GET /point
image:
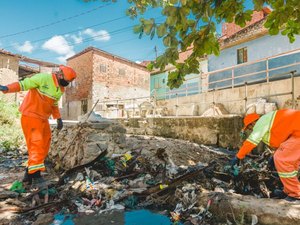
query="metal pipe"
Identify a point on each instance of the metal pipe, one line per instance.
(293, 88)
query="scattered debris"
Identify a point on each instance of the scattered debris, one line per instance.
(184, 178)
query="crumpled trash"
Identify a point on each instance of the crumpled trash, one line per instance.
(89, 183)
(17, 186)
(131, 202)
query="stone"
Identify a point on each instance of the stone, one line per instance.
(44, 219)
(8, 194)
(16, 202)
(95, 137)
(101, 125)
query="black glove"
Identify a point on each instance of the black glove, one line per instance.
(271, 164)
(3, 88)
(234, 161)
(59, 124)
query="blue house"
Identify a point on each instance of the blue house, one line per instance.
(192, 84)
(248, 55)
(251, 55)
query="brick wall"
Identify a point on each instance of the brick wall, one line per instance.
(81, 87)
(9, 68)
(92, 84)
(110, 85)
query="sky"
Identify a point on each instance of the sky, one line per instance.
(54, 30)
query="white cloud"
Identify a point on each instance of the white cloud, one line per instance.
(77, 39)
(26, 47)
(101, 35)
(63, 58)
(59, 45)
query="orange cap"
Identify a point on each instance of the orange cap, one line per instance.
(69, 73)
(250, 118)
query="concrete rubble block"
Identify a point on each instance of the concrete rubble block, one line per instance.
(44, 219)
(8, 194)
(216, 110)
(83, 142)
(95, 137)
(100, 126)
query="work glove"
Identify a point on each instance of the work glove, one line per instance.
(3, 88)
(271, 164)
(59, 124)
(235, 161)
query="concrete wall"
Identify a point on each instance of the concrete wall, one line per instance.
(221, 131)
(233, 99)
(260, 48)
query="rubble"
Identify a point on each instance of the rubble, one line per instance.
(194, 183)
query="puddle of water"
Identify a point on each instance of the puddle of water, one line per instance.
(146, 217)
(63, 219)
(136, 217)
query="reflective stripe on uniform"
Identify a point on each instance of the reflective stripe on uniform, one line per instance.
(288, 174)
(36, 167)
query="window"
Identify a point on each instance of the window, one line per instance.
(103, 68)
(242, 55)
(84, 106)
(122, 72)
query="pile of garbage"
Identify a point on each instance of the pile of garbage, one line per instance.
(143, 179)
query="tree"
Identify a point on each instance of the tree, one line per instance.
(192, 23)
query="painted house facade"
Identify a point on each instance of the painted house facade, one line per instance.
(107, 78)
(192, 85)
(251, 55)
(252, 65)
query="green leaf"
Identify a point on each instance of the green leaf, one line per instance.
(167, 41)
(173, 2)
(138, 29)
(274, 31)
(150, 66)
(161, 30)
(171, 20)
(183, 2)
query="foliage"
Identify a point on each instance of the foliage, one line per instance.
(192, 23)
(10, 130)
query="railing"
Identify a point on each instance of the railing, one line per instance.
(264, 70)
(269, 69)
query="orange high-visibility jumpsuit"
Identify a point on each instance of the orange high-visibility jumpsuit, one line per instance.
(38, 105)
(279, 129)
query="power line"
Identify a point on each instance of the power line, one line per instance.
(56, 22)
(73, 31)
(89, 38)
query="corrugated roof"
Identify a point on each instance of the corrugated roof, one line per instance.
(28, 60)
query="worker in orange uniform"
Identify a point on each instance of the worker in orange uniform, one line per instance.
(279, 129)
(41, 101)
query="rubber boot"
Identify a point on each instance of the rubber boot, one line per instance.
(38, 182)
(27, 180)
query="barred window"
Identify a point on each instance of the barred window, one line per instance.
(242, 55)
(103, 68)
